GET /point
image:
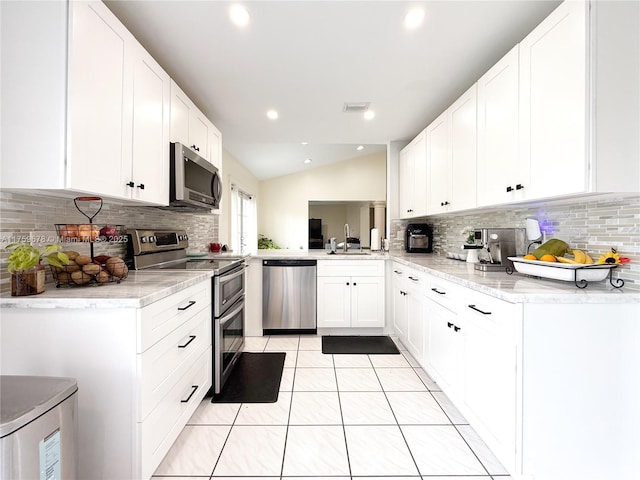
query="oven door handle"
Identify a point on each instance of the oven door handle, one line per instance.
(227, 318)
(227, 278)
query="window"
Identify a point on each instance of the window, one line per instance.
(244, 231)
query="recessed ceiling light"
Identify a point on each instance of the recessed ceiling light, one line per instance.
(360, 147)
(239, 15)
(272, 114)
(308, 160)
(369, 114)
(304, 143)
(414, 18)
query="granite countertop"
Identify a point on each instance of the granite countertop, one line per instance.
(517, 288)
(140, 288)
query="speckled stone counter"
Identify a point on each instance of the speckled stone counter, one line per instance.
(517, 288)
(318, 255)
(139, 289)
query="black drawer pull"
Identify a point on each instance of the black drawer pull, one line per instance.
(414, 279)
(519, 186)
(457, 329)
(354, 284)
(141, 186)
(130, 184)
(438, 291)
(449, 324)
(191, 339)
(473, 307)
(398, 272)
(195, 388)
(509, 189)
(191, 304)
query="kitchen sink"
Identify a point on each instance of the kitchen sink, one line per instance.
(355, 252)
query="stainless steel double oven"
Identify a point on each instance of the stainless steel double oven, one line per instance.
(166, 249)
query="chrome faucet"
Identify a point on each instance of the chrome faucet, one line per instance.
(346, 237)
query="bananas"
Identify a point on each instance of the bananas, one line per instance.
(579, 257)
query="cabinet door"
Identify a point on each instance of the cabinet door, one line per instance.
(498, 170)
(215, 147)
(367, 301)
(99, 102)
(399, 303)
(443, 347)
(334, 302)
(463, 150)
(553, 103)
(180, 109)
(416, 323)
(489, 366)
(405, 182)
(439, 164)
(149, 164)
(199, 133)
(420, 175)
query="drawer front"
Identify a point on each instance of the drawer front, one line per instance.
(163, 364)
(444, 293)
(351, 268)
(490, 310)
(159, 431)
(162, 317)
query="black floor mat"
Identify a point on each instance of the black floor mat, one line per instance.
(255, 379)
(358, 344)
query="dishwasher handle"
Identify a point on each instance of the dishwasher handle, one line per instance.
(289, 263)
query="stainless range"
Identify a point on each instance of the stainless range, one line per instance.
(150, 248)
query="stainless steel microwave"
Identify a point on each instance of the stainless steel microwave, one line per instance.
(195, 182)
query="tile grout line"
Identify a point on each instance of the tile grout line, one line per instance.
(344, 430)
(286, 434)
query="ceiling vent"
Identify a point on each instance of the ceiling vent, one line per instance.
(356, 107)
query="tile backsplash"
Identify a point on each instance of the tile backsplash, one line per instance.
(34, 215)
(594, 225)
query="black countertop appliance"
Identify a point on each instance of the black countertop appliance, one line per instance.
(418, 238)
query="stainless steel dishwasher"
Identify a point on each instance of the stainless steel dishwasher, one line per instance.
(288, 296)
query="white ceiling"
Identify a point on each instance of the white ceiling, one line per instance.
(307, 58)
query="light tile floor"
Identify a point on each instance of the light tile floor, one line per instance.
(337, 416)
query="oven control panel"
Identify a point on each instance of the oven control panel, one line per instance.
(154, 240)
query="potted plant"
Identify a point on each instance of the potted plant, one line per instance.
(26, 269)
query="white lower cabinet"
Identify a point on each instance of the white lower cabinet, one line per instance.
(416, 318)
(141, 373)
(399, 288)
(350, 293)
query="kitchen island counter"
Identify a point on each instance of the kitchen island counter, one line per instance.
(517, 288)
(139, 289)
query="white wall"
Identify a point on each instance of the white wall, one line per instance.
(284, 201)
(233, 172)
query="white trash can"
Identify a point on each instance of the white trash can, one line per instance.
(38, 428)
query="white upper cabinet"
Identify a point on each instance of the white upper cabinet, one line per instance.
(192, 128)
(99, 101)
(553, 115)
(451, 156)
(413, 178)
(500, 177)
(149, 165)
(106, 110)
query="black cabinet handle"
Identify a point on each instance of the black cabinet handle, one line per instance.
(186, 400)
(409, 210)
(519, 186)
(509, 189)
(473, 307)
(455, 328)
(191, 339)
(444, 204)
(191, 304)
(449, 324)
(414, 279)
(197, 149)
(398, 272)
(141, 186)
(130, 184)
(354, 284)
(438, 291)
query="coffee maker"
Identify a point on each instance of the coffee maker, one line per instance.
(418, 238)
(498, 244)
